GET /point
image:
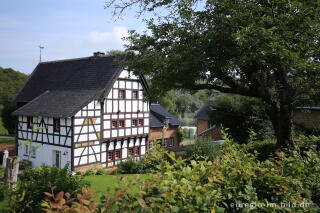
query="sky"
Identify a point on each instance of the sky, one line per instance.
(66, 29)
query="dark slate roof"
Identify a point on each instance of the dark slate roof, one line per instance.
(61, 88)
(158, 114)
(202, 112)
(57, 103)
(91, 73)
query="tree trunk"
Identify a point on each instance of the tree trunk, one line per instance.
(282, 122)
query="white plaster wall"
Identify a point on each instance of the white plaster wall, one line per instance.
(44, 155)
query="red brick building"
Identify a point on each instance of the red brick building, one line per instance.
(163, 127)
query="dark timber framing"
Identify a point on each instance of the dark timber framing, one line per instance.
(39, 133)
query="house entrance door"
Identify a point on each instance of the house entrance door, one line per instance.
(57, 158)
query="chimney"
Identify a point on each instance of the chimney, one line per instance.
(97, 54)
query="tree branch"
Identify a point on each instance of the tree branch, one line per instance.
(236, 90)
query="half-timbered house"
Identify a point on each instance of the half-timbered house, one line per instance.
(82, 112)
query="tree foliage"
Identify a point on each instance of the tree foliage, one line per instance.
(10, 83)
(184, 103)
(240, 114)
(267, 49)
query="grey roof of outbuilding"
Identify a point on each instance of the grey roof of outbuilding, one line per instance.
(309, 107)
(158, 114)
(57, 103)
(202, 113)
(61, 88)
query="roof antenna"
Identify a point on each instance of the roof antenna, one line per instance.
(40, 48)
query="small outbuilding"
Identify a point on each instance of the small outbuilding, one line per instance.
(164, 127)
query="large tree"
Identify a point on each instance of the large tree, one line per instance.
(267, 49)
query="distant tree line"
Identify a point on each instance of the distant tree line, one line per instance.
(10, 83)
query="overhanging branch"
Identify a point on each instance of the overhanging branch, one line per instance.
(237, 90)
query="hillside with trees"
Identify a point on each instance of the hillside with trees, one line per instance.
(10, 82)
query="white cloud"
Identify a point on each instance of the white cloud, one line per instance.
(108, 40)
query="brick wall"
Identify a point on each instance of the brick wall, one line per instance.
(202, 125)
(159, 133)
(307, 118)
(214, 134)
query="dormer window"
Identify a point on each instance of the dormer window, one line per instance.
(122, 94)
(135, 94)
(29, 122)
(56, 124)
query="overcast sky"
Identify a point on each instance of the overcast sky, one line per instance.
(66, 29)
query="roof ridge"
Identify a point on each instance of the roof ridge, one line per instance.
(72, 59)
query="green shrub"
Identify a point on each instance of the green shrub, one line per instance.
(34, 182)
(100, 172)
(264, 149)
(3, 191)
(23, 164)
(234, 178)
(150, 163)
(153, 158)
(203, 149)
(2, 171)
(89, 172)
(130, 166)
(180, 134)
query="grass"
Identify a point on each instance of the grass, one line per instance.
(4, 206)
(3, 130)
(189, 139)
(102, 183)
(7, 140)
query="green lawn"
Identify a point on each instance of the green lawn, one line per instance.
(100, 183)
(4, 206)
(7, 140)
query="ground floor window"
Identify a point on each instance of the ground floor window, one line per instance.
(151, 144)
(26, 149)
(130, 151)
(57, 158)
(110, 155)
(117, 154)
(165, 142)
(171, 142)
(114, 155)
(159, 141)
(137, 150)
(33, 151)
(134, 151)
